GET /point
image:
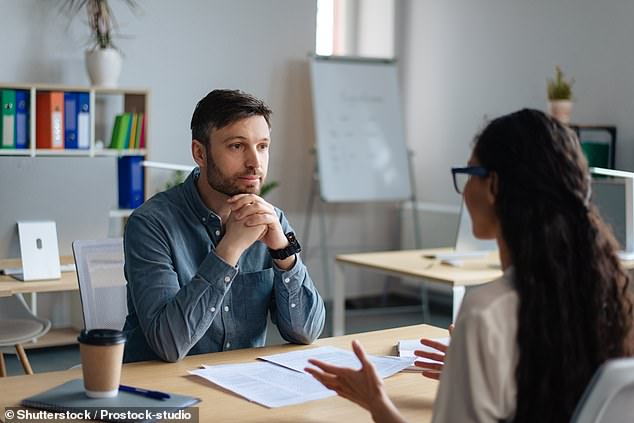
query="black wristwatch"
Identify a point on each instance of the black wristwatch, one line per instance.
(292, 248)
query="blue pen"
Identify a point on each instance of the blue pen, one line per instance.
(144, 392)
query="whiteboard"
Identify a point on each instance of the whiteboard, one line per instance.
(361, 150)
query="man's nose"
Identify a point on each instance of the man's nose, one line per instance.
(253, 160)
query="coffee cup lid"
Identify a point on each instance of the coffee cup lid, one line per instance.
(101, 337)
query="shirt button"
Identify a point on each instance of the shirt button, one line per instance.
(217, 232)
(228, 345)
(293, 305)
(227, 279)
(204, 219)
(226, 308)
(287, 280)
(212, 309)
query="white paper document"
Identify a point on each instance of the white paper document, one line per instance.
(298, 360)
(407, 347)
(265, 383)
(280, 380)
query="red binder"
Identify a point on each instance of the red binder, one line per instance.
(50, 120)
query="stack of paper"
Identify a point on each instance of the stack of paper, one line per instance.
(407, 347)
(280, 379)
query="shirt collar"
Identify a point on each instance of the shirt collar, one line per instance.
(193, 198)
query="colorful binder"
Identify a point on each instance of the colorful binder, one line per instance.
(7, 123)
(50, 120)
(131, 183)
(71, 111)
(22, 119)
(83, 121)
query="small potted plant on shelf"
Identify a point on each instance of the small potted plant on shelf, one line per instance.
(560, 96)
(103, 58)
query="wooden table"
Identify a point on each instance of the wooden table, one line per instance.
(413, 394)
(12, 286)
(412, 264)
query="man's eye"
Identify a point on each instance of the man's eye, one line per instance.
(263, 146)
(235, 146)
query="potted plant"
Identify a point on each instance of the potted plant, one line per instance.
(560, 96)
(103, 58)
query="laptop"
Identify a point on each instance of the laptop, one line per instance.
(38, 250)
(467, 246)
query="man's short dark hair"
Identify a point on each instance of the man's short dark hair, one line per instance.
(220, 108)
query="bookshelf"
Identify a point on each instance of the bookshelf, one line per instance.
(104, 104)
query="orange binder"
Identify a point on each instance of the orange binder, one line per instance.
(50, 120)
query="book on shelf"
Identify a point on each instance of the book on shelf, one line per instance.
(128, 131)
(7, 123)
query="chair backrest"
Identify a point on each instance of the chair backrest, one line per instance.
(102, 284)
(610, 395)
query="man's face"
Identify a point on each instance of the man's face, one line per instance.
(238, 156)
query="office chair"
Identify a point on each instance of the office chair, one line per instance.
(17, 326)
(102, 285)
(609, 396)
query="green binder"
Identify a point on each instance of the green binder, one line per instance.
(7, 121)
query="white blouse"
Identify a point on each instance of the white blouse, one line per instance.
(478, 381)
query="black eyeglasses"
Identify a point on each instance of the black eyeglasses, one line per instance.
(462, 174)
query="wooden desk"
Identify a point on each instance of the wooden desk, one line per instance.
(413, 394)
(413, 265)
(11, 286)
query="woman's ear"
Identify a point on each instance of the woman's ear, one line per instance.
(492, 189)
(199, 153)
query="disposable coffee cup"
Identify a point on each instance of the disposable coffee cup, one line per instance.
(101, 352)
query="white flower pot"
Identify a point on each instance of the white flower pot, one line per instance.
(103, 66)
(560, 110)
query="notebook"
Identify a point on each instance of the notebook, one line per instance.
(125, 407)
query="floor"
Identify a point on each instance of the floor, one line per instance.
(361, 316)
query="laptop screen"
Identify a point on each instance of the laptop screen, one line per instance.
(465, 241)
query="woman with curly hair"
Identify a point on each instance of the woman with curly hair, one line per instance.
(526, 345)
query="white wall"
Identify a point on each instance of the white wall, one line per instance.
(181, 51)
(463, 60)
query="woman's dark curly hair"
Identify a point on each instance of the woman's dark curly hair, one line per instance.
(575, 307)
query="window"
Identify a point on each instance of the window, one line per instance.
(362, 28)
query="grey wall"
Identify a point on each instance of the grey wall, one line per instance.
(463, 60)
(181, 51)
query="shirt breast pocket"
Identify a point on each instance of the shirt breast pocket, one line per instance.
(253, 292)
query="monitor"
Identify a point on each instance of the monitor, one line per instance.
(614, 197)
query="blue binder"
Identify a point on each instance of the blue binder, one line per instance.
(21, 119)
(131, 182)
(83, 120)
(70, 120)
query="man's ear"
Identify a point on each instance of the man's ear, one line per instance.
(492, 189)
(199, 153)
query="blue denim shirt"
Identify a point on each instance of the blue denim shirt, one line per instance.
(183, 299)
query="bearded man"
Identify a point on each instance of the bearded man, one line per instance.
(207, 261)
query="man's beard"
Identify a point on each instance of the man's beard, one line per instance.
(228, 184)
